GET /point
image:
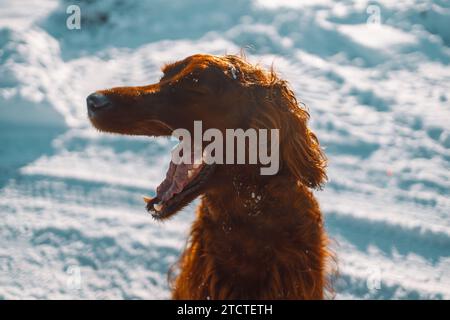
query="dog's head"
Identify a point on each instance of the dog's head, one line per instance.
(223, 93)
(200, 87)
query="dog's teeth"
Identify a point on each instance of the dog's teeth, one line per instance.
(190, 173)
(147, 199)
(157, 206)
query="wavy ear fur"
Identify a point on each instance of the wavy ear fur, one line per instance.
(277, 107)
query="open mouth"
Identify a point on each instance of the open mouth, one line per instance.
(181, 185)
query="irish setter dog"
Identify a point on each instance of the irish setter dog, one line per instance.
(255, 236)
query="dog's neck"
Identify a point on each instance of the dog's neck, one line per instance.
(248, 220)
(248, 197)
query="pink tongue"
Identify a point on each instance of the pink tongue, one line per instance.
(176, 179)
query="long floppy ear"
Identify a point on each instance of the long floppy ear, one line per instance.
(300, 151)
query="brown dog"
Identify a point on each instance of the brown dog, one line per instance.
(255, 236)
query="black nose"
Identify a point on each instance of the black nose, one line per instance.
(97, 101)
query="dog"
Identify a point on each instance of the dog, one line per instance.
(255, 236)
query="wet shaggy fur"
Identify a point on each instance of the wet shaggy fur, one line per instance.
(254, 236)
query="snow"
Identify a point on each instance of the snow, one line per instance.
(377, 36)
(73, 220)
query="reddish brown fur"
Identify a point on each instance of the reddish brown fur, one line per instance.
(239, 248)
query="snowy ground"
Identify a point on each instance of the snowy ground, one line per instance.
(72, 219)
